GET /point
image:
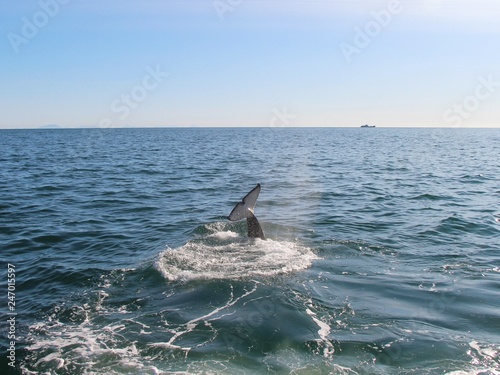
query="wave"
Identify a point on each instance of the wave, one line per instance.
(221, 253)
(431, 197)
(484, 360)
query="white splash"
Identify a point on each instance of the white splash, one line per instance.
(206, 319)
(227, 255)
(323, 332)
(484, 360)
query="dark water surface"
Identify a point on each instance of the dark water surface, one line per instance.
(383, 251)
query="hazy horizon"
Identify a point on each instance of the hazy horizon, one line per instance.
(230, 63)
(57, 127)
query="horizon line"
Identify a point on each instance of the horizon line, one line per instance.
(57, 127)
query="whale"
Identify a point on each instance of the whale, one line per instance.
(245, 210)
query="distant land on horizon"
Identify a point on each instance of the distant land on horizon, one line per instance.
(50, 126)
(56, 126)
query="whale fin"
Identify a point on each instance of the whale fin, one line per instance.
(245, 210)
(254, 228)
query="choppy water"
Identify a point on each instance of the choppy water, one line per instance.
(382, 256)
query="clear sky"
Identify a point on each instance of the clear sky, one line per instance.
(114, 63)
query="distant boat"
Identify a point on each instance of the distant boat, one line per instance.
(367, 126)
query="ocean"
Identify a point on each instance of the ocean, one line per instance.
(382, 253)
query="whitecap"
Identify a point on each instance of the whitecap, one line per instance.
(227, 255)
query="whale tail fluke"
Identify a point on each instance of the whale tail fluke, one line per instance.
(245, 210)
(254, 228)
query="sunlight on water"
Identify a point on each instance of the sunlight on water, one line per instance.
(381, 258)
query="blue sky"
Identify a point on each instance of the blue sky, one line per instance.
(250, 63)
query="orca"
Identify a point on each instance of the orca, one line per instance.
(245, 210)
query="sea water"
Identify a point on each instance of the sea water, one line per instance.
(382, 257)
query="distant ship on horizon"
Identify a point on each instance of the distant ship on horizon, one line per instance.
(367, 126)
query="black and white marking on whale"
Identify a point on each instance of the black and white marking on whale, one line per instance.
(245, 210)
